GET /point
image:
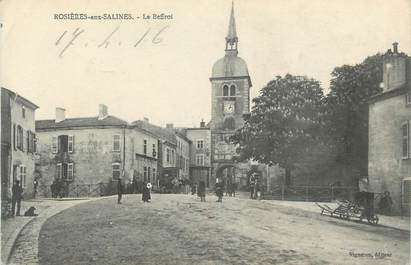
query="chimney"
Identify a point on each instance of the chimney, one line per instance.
(202, 124)
(102, 111)
(60, 114)
(169, 126)
(395, 47)
(146, 120)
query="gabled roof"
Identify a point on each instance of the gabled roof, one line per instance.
(109, 121)
(21, 99)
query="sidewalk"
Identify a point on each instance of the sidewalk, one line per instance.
(11, 228)
(399, 222)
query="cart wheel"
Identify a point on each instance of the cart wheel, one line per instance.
(373, 220)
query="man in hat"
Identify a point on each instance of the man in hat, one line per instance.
(17, 192)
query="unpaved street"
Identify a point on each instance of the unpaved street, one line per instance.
(179, 229)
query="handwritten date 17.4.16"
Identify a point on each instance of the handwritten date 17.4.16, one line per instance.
(66, 39)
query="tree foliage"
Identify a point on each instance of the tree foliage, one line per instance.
(347, 110)
(284, 122)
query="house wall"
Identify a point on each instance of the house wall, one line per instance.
(200, 173)
(22, 157)
(183, 157)
(386, 167)
(137, 160)
(93, 155)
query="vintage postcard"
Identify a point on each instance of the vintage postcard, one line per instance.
(205, 132)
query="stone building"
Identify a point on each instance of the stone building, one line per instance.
(173, 147)
(18, 143)
(200, 153)
(389, 162)
(89, 154)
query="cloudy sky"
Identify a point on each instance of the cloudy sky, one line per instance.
(168, 80)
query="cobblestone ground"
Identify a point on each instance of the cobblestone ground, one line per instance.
(25, 251)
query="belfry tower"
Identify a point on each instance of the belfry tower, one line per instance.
(230, 100)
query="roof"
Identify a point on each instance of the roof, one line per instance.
(160, 132)
(230, 66)
(23, 100)
(110, 121)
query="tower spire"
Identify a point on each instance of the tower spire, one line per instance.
(231, 39)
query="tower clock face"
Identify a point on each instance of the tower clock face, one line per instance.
(229, 107)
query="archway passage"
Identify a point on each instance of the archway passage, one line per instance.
(227, 174)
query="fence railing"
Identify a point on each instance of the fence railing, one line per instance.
(83, 190)
(310, 193)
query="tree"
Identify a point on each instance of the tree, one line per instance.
(347, 111)
(284, 123)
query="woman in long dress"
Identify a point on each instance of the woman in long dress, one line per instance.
(146, 192)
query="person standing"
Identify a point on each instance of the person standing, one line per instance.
(219, 189)
(17, 194)
(119, 191)
(146, 196)
(201, 191)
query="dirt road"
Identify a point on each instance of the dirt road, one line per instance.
(179, 229)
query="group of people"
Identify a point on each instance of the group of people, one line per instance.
(146, 191)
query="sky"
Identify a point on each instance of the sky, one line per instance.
(160, 69)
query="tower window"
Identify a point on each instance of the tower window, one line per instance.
(229, 123)
(225, 91)
(232, 90)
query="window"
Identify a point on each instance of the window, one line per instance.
(173, 158)
(200, 144)
(154, 175)
(54, 145)
(62, 144)
(23, 112)
(232, 90)
(408, 99)
(116, 143)
(23, 171)
(145, 147)
(70, 143)
(154, 150)
(70, 171)
(405, 140)
(116, 170)
(145, 174)
(168, 155)
(200, 160)
(225, 91)
(149, 174)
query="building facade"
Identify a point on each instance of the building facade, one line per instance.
(389, 164)
(200, 154)
(89, 154)
(18, 143)
(174, 152)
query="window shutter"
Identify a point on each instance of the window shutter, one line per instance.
(14, 137)
(54, 145)
(70, 143)
(405, 140)
(28, 141)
